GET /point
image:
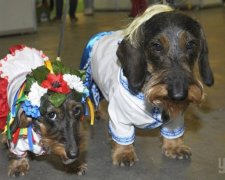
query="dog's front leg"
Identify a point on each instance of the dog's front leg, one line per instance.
(175, 148)
(81, 169)
(123, 155)
(18, 167)
(78, 167)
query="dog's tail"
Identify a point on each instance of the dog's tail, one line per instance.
(131, 31)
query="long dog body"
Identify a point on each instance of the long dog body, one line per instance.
(41, 127)
(146, 73)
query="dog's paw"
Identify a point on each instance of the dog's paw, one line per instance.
(175, 149)
(77, 167)
(179, 152)
(82, 169)
(124, 155)
(124, 159)
(18, 167)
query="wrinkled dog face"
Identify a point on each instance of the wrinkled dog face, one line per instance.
(162, 65)
(60, 127)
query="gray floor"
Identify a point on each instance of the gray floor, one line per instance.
(205, 125)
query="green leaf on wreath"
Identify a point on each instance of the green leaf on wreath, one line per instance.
(40, 74)
(57, 99)
(58, 68)
(29, 82)
(82, 74)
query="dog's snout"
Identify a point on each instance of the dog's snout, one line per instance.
(72, 154)
(178, 90)
(180, 96)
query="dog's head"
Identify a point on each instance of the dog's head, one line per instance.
(158, 57)
(60, 126)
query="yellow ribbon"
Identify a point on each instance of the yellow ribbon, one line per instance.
(92, 111)
(48, 64)
(23, 131)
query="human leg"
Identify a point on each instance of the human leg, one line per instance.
(59, 7)
(72, 9)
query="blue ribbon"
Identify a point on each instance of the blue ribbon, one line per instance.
(14, 107)
(85, 64)
(29, 137)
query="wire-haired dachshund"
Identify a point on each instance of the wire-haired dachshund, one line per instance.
(146, 73)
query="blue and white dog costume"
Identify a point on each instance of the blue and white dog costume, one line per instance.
(126, 110)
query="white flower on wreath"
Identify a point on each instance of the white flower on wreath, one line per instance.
(35, 94)
(74, 82)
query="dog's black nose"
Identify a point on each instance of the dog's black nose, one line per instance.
(178, 96)
(72, 154)
(178, 91)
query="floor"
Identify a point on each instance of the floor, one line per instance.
(205, 125)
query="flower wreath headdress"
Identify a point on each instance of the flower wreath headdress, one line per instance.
(55, 80)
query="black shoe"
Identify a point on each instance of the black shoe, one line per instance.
(73, 18)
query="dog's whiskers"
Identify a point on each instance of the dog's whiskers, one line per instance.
(55, 147)
(157, 94)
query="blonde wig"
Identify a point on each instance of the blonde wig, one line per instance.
(131, 32)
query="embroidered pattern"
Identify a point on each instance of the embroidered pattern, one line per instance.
(122, 140)
(95, 93)
(172, 133)
(124, 82)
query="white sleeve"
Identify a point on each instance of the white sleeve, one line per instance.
(120, 126)
(174, 128)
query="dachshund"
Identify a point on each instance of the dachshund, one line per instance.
(146, 73)
(46, 105)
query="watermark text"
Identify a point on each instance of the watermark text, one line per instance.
(221, 165)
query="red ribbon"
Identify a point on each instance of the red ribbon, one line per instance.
(16, 136)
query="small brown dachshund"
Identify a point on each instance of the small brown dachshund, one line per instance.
(47, 103)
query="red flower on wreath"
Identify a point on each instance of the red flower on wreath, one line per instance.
(56, 83)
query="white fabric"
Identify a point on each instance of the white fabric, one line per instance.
(22, 146)
(126, 110)
(16, 66)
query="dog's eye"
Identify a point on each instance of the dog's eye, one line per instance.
(77, 110)
(52, 115)
(190, 45)
(157, 46)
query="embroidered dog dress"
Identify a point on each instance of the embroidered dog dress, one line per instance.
(126, 110)
(14, 68)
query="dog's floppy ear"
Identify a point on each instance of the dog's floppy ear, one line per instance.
(204, 67)
(133, 63)
(21, 120)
